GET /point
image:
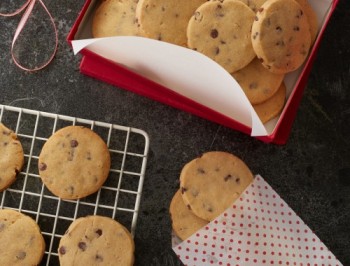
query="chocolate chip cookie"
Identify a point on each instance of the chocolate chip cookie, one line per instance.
(115, 18)
(273, 106)
(184, 221)
(221, 30)
(96, 240)
(166, 20)
(74, 162)
(281, 35)
(21, 242)
(210, 183)
(11, 157)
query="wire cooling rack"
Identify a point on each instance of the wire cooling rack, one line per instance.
(119, 197)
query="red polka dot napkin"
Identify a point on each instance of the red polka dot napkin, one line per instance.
(259, 229)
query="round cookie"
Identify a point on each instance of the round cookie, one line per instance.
(273, 106)
(184, 222)
(166, 20)
(74, 162)
(281, 35)
(21, 242)
(221, 30)
(96, 240)
(258, 83)
(115, 18)
(11, 157)
(212, 182)
(312, 18)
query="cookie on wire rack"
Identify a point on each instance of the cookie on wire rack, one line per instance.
(11, 157)
(21, 241)
(96, 240)
(74, 162)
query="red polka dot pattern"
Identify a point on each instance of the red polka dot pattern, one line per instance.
(259, 229)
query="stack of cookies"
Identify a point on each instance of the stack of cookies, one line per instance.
(257, 41)
(208, 186)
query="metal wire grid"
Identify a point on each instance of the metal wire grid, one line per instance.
(118, 198)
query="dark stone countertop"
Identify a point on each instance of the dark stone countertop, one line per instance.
(311, 172)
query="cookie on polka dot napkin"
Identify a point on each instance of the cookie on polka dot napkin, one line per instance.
(257, 229)
(184, 221)
(210, 183)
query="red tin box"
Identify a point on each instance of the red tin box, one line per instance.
(146, 79)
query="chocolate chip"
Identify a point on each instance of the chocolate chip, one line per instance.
(42, 166)
(189, 206)
(255, 35)
(256, 18)
(214, 33)
(226, 178)
(183, 190)
(201, 171)
(280, 43)
(70, 190)
(194, 192)
(198, 16)
(82, 246)
(98, 258)
(62, 250)
(74, 143)
(208, 207)
(71, 155)
(2, 226)
(21, 255)
(7, 133)
(261, 9)
(88, 156)
(253, 85)
(296, 28)
(238, 180)
(217, 50)
(5, 143)
(98, 232)
(278, 29)
(268, 22)
(299, 14)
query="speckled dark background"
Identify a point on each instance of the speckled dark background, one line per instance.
(311, 172)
